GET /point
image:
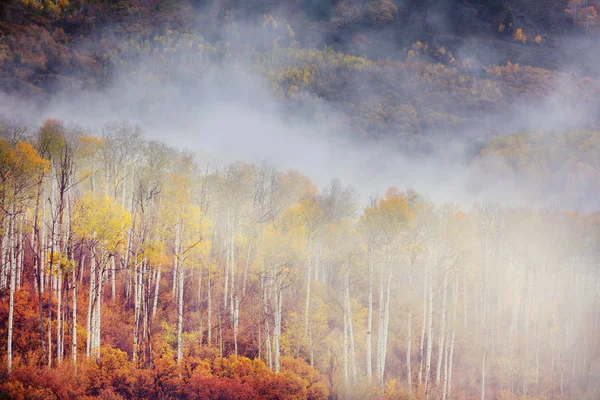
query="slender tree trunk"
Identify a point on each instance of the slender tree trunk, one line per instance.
(465, 297)
(59, 330)
(227, 261)
(277, 329)
(91, 300)
(381, 323)
(113, 278)
(43, 247)
(126, 266)
(442, 338)
(98, 313)
(423, 324)
(3, 251)
(137, 297)
(175, 272)
(308, 279)
(429, 337)
(267, 328)
(156, 289)
(74, 318)
(180, 285)
(370, 315)
(18, 248)
(235, 325)
(209, 309)
(37, 245)
(409, 326)
(445, 390)
(483, 374)
(232, 295)
(345, 309)
(453, 335)
(312, 352)
(50, 288)
(350, 328)
(12, 284)
(386, 325)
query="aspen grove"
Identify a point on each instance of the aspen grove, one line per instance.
(130, 270)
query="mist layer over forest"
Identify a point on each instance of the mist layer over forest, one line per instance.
(303, 199)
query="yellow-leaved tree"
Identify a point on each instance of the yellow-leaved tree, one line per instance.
(384, 224)
(20, 169)
(189, 228)
(101, 224)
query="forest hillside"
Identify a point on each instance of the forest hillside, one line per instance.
(304, 199)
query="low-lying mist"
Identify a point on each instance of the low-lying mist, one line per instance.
(358, 288)
(226, 111)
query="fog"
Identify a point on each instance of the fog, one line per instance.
(525, 279)
(228, 112)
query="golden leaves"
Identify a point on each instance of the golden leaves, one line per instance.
(101, 221)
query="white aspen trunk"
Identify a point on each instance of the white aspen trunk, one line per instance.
(39, 267)
(429, 338)
(129, 232)
(409, 327)
(12, 284)
(267, 329)
(350, 328)
(3, 254)
(88, 344)
(308, 279)
(381, 323)
(220, 334)
(483, 374)
(126, 265)
(50, 294)
(74, 321)
(465, 297)
(201, 325)
(18, 248)
(136, 309)
(386, 325)
(226, 280)
(175, 270)
(277, 330)
(50, 274)
(59, 330)
(98, 314)
(235, 325)
(141, 303)
(209, 309)
(370, 315)
(232, 295)
(423, 324)
(345, 343)
(156, 289)
(442, 328)
(312, 352)
(484, 318)
(180, 284)
(453, 335)
(81, 270)
(537, 364)
(445, 391)
(145, 308)
(113, 278)
(43, 244)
